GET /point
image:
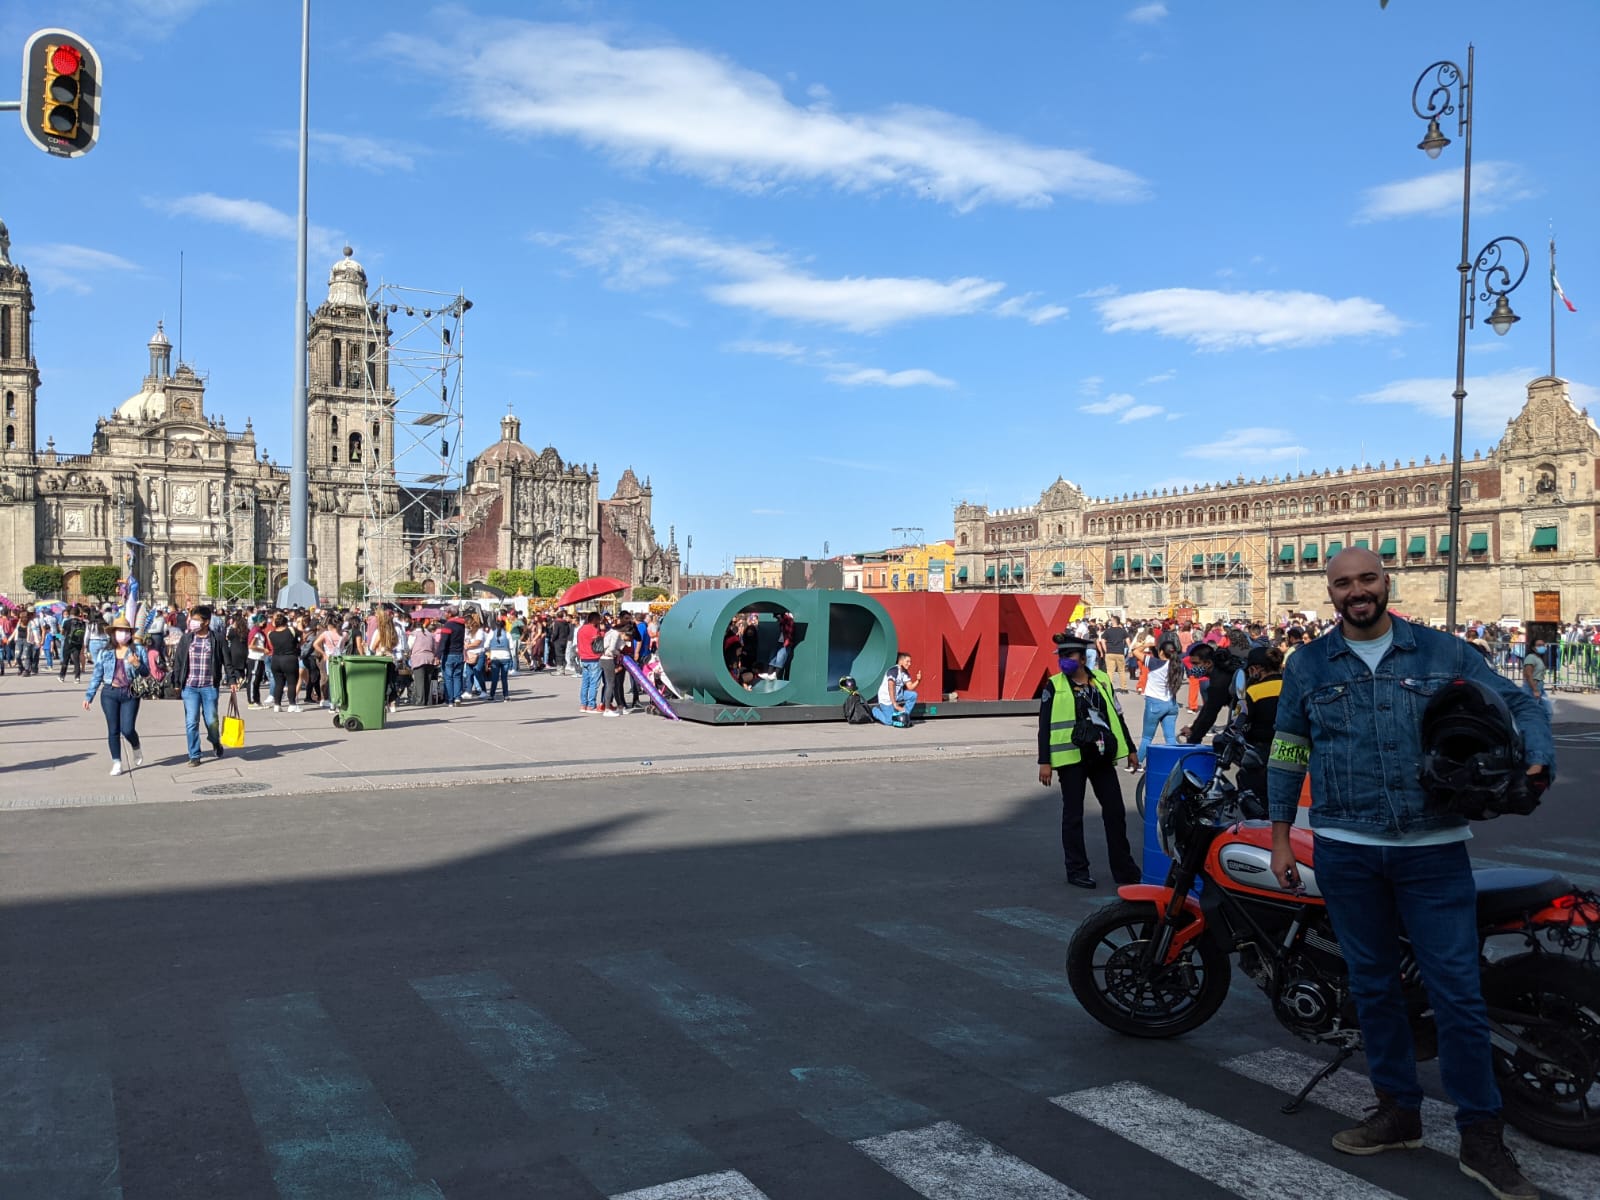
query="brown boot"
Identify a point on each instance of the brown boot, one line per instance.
(1484, 1157)
(1389, 1127)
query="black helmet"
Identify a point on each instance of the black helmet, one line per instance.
(847, 683)
(1473, 761)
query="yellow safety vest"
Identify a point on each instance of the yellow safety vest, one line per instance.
(1064, 715)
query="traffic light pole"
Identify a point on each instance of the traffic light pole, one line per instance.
(299, 592)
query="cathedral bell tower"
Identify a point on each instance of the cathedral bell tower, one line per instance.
(348, 367)
(19, 378)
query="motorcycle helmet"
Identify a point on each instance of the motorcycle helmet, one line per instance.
(847, 683)
(1473, 761)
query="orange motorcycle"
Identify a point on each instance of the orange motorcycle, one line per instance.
(1155, 963)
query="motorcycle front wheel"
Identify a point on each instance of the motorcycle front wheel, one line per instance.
(1103, 969)
(1550, 1086)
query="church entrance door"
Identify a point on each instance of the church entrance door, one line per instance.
(185, 584)
(70, 585)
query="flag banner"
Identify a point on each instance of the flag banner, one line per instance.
(1556, 283)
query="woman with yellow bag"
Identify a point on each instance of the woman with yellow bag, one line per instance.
(117, 667)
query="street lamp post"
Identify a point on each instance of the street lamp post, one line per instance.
(1441, 90)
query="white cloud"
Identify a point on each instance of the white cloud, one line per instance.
(700, 114)
(1038, 314)
(877, 377)
(1492, 400)
(1109, 289)
(62, 266)
(1250, 445)
(351, 150)
(1140, 412)
(633, 250)
(251, 216)
(1089, 385)
(1163, 377)
(786, 350)
(1494, 184)
(1113, 403)
(1148, 14)
(1216, 320)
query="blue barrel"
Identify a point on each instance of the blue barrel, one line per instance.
(1160, 762)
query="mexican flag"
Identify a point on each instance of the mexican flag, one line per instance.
(1556, 283)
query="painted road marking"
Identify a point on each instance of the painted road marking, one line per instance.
(1008, 970)
(58, 1120)
(324, 1126)
(1567, 1172)
(946, 1162)
(551, 1076)
(1218, 1151)
(956, 1031)
(724, 1185)
(1551, 860)
(1034, 920)
(835, 1096)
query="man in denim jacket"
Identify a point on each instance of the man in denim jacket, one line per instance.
(1388, 859)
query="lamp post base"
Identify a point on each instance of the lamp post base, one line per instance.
(297, 594)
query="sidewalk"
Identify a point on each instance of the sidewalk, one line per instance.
(54, 755)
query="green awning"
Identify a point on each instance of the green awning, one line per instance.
(1478, 543)
(1387, 548)
(1199, 560)
(1444, 544)
(1363, 544)
(1286, 554)
(1335, 548)
(1235, 557)
(1005, 570)
(1118, 563)
(988, 572)
(1219, 559)
(1309, 552)
(961, 574)
(1546, 538)
(1058, 568)
(1018, 571)
(1417, 545)
(1155, 562)
(1138, 562)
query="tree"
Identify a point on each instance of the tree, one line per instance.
(407, 587)
(649, 592)
(236, 581)
(100, 581)
(552, 581)
(513, 581)
(43, 580)
(353, 592)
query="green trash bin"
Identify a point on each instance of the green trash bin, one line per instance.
(357, 688)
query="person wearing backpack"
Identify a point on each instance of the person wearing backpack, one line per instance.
(591, 644)
(72, 633)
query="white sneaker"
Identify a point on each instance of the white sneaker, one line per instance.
(138, 758)
(294, 708)
(611, 712)
(391, 710)
(116, 766)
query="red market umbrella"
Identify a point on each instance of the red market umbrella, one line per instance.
(588, 589)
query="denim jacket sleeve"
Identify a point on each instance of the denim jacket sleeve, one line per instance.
(1532, 720)
(1290, 757)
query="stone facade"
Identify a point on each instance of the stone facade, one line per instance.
(194, 494)
(1257, 547)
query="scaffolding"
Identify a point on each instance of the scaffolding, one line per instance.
(414, 478)
(235, 530)
(1214, 576)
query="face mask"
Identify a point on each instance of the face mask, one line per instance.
(1069, 666)
(194, 626)
(122, 636)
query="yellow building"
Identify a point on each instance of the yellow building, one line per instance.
(756, 571)
(927, 568)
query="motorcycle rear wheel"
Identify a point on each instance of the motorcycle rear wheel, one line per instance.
(1554, 1004)
(1102, 967)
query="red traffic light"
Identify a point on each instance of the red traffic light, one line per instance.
(65, 60)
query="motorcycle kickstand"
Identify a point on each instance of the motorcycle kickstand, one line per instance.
(1339, 1059)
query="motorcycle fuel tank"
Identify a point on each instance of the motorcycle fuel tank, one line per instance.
(1250, 865)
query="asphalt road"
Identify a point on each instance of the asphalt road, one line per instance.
(812, 982)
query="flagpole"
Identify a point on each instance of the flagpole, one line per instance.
(1552, 300)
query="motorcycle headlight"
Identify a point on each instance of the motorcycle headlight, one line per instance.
(1171, 808)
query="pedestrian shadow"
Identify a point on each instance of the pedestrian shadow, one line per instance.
(264, 753)
(46, 764)
(30, 721)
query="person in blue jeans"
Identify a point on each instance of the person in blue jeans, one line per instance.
(1162, 687)
(497, 659)
(896, 697)
(197, 668)
(1390, 858)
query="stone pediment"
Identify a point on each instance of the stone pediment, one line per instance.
(1063, 493)
(1549, 423)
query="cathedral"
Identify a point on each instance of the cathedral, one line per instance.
(187, 494)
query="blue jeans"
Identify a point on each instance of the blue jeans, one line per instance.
(1372, 893)
(885, 712)
(499, 674)
(198, 702)
(1158, 712)
(121, 708)
(589, 685)
(452, 677)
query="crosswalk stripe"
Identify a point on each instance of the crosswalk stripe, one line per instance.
(1034, 920)
(1568, 1172)
(1218, 1151)
(1009, 970)
(324, 1126)
(550, 1076)
(724, 1185)
(58, 1121)
(838, 1097)
(930, 1019)
(947, 1162)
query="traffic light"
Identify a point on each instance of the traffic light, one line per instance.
(61, 93)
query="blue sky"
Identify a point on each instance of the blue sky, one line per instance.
(822, 270)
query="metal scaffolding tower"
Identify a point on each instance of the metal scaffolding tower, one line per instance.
(416, 473)
(235, 528)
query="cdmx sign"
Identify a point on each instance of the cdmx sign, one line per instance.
(981, 647)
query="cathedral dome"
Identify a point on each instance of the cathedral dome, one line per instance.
(347, 282)
(509, 448)
(149, 405)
